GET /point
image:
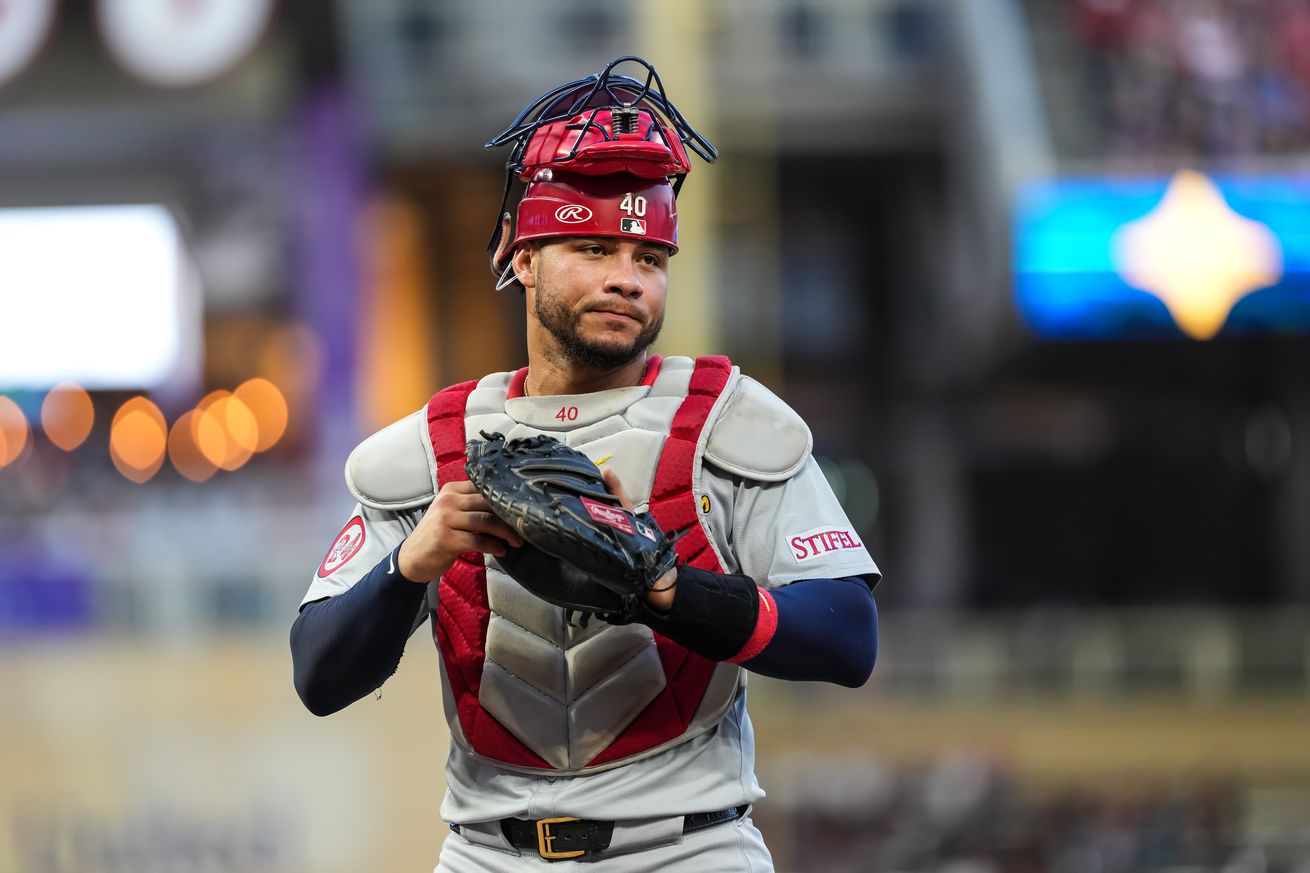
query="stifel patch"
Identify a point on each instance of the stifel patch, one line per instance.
(810, 544)
(344, 547)
(610, 515)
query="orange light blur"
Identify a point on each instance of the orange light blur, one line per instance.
(208, 435)
(207, 429)
(67, 415)
(240, 422)
(13, 431)
(225, 430)
(395, 349)
(1197, 254)
(269, 409)
(186, 456)
(138, 439)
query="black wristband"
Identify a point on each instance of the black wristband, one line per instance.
(713, 614)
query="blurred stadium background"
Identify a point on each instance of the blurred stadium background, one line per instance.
(1037, 272)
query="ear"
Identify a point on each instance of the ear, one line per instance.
(521, 262)
(505, 237)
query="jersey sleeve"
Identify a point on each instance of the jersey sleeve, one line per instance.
(780, 532)
(368, 537)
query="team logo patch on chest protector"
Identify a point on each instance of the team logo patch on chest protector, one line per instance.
(524, 687)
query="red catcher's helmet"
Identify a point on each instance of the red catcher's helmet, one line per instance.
(602, 156)
(615, 204)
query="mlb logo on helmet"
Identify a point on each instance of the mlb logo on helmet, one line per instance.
(632, 225)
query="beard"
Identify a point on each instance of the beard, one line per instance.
(565, 325)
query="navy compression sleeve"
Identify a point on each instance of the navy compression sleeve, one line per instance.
(821, 630)
(827, 631)
(346, 646)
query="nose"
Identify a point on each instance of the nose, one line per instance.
(623, 277)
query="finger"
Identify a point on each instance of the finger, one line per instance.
(468, 541)
(492, 545)
(488, 523)
(616, 487)
(474, 502)
(457, 495)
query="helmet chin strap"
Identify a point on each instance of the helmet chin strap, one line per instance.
(507, 278)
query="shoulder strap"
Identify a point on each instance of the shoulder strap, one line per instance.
(446, 429)
(671, 499)
(673, 503)
(463, 613)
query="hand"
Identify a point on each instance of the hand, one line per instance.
(458, 520)
(660, 597)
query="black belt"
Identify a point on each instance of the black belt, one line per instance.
(559, 839)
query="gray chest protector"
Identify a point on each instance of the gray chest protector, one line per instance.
(523, 687)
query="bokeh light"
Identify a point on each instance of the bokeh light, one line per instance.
(208, 435)
(185, 454)
(13, 431)
(138, 439)
(240, 423)
(67, 415)
(269, 409)
(225, 430)
(208, 430)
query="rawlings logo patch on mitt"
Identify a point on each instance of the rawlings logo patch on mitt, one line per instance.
(584, 551)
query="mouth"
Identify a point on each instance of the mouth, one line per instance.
(618, 314)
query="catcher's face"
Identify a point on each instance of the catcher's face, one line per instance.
(598, 301)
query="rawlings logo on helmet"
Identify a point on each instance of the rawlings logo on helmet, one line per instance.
(573, 214)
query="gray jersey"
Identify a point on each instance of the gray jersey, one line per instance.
(776, 527)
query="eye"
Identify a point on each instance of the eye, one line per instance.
(651, 259)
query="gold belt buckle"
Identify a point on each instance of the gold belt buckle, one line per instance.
(545, 838)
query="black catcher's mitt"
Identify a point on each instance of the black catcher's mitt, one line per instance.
(584, 551)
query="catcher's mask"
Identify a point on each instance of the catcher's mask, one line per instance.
(602, 156)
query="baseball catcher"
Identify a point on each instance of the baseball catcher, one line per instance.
(604, 541)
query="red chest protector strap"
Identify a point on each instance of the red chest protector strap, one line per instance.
(463, 612)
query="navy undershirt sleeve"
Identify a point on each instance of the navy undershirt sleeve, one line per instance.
(827, 632)
(346, 646)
